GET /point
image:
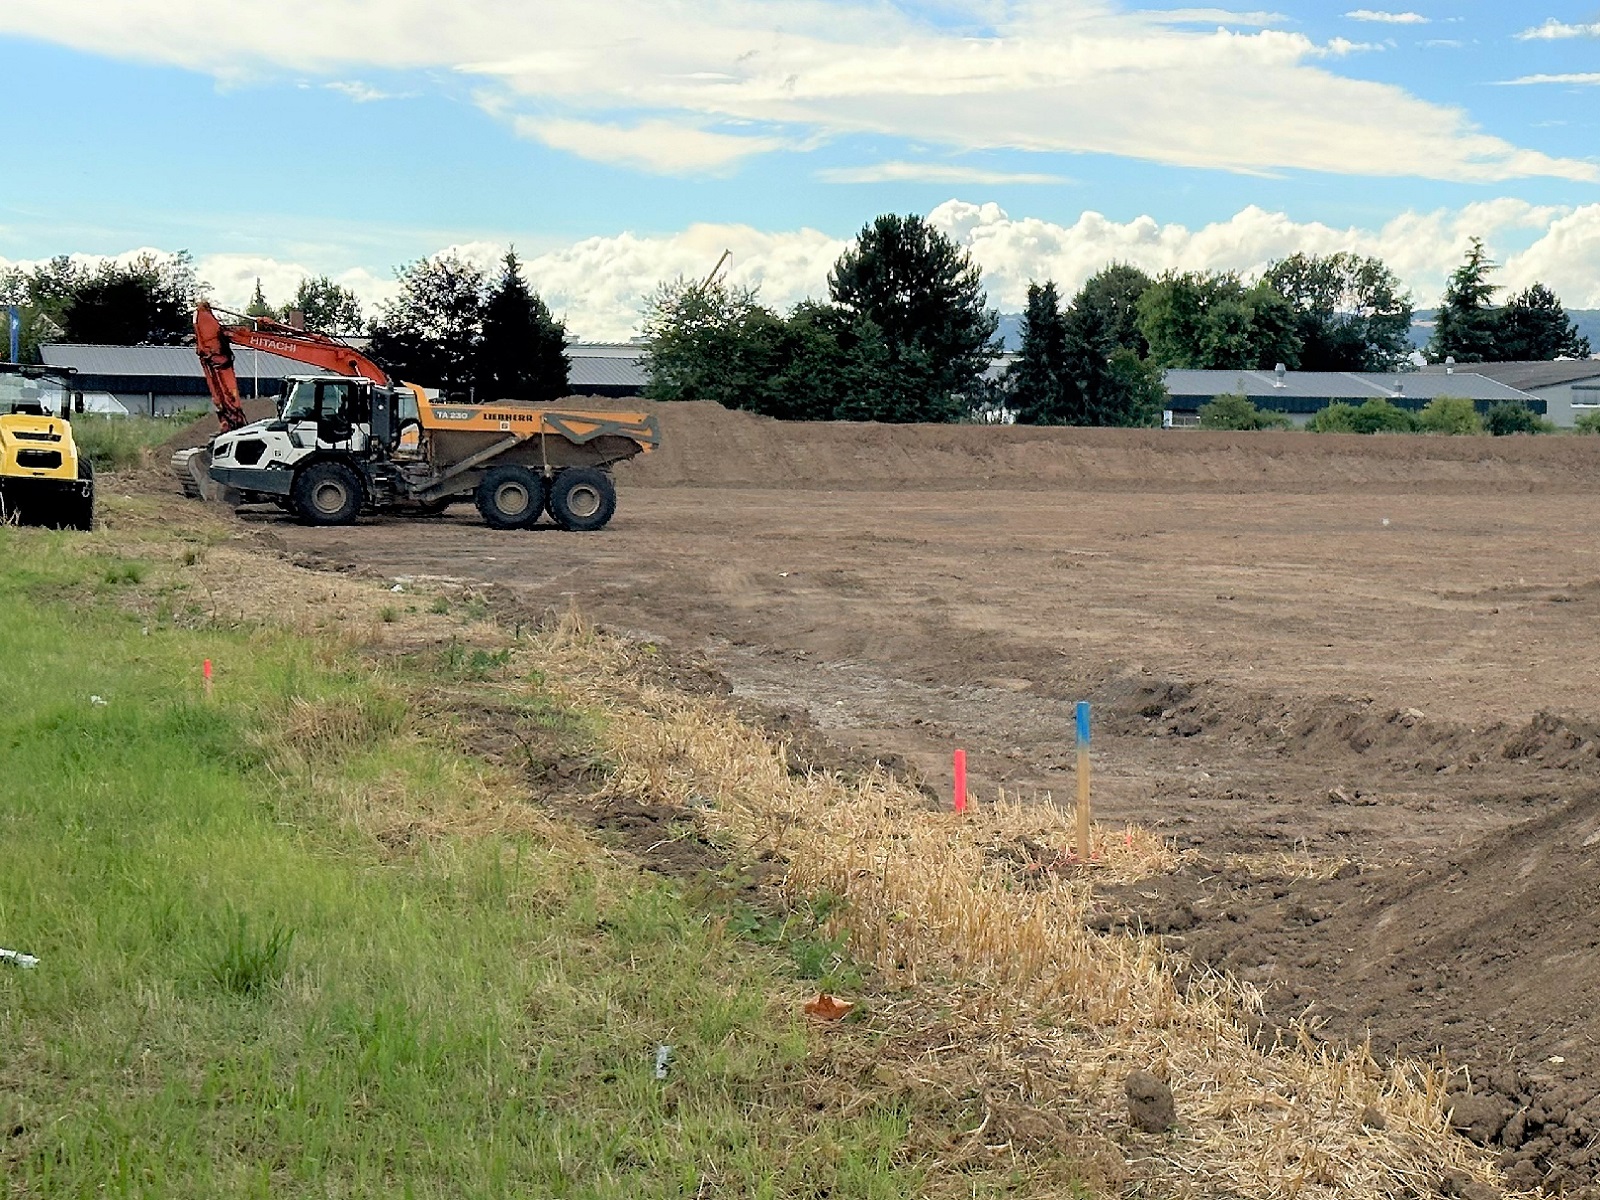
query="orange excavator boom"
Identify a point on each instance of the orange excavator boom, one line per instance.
(214, 343)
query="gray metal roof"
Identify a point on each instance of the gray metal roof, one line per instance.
(593, 364)
(1527, 375)
(606, 364)
(162, 361)
(1337, 385)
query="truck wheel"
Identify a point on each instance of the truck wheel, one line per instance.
(582, 499)
(82, 516)
(327, 493)
(510, 498)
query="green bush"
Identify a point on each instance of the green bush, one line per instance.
(1379, 416)
(1336, 418)
(1511, 417)
(1376, 415)
(1234, 411)
(1450, 414)
(1588, 422)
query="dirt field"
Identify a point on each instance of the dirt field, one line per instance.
(1304, 652)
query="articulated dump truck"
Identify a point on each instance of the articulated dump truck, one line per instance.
(44, 480)
(351, 440)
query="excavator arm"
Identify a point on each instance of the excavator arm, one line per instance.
(214, 343)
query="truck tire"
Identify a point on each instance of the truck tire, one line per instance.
(82, 516)
(327, 493)
(582, 499)
(510, 498)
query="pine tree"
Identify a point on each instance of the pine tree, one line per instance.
(1534, 327)
(523, 354)
(1467, 327)
(924, 295)
(258, 306)
(1036, 383)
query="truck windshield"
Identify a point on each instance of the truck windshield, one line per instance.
(43, 394)
(301, 402)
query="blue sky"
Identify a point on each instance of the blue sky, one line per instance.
(623, 141)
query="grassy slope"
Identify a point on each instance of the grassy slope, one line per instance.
(471, 1014)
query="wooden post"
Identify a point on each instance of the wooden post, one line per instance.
(1083, 781)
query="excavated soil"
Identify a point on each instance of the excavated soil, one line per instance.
(1353, 677)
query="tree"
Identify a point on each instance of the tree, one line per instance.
(1036, 382)
(1114, 294)
(523, 352)
(326, 306)
(1236, 411)
(1534, 326)
(1352, 312)
(925, 297)
(258, 306)
(1215, 322)
(429, 333)
(1451, 415)
(43, 296)
(1467, 327)
(150, 300)
(1139, 386)
(712, 341)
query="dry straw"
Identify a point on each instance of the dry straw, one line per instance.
(977, 929)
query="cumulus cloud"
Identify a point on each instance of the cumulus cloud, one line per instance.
(1554, 30)
(599, 284)
(1067, 76)
(1387, 18)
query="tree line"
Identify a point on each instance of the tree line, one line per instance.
(907, 335)
(451, 325)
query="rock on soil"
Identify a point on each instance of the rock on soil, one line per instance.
(1150, 1105)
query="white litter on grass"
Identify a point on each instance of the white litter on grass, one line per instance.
(97, 701)
(663, 1056)
(397, 588)
(18, 959)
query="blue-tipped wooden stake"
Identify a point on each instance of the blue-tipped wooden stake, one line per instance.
(1083, 781)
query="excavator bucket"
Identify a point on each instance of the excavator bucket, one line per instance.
(193, 469)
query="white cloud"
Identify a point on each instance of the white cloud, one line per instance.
(663, 147)
(1554, 30)
(1388, 18)
(1216, 16)
(1051, 76)
(362, 93)
(921, 172)
(599, 284)
(1583, 79)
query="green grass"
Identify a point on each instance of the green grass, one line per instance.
(118, 443)
(243, 993)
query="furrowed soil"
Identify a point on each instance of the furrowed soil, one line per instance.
(1353, 678)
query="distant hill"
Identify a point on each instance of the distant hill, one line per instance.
(1586, 319)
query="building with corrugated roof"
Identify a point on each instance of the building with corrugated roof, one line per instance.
(1568, 386)
(160, 380)
(1300, 395)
